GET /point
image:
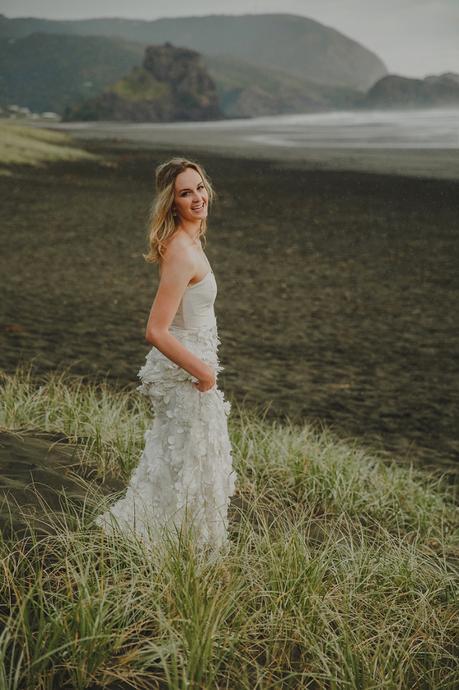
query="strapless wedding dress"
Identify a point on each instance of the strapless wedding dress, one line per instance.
(185, 475)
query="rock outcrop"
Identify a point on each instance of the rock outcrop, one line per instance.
(172, 85)
(394, 91)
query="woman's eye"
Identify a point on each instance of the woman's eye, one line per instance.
(201, 186)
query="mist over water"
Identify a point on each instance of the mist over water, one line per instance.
(398, 129)
(402, 129)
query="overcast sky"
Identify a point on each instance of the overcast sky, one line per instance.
(413, 37)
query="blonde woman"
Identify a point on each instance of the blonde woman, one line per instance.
(184, 477)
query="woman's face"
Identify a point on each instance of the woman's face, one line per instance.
(191, 196)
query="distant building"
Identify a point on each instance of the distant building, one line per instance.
(21, 112)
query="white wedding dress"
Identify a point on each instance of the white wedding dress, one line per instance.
(185, 475)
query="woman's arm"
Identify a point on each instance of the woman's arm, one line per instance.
(177, 270)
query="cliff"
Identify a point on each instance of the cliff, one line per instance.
(394, 91)
(171, 85)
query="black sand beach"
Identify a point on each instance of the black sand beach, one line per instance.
(337, 289)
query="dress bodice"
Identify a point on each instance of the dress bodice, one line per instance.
(196, 308)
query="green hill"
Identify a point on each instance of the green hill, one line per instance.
(297, 45)
(48, 72)
(59, 72)
(246, 90)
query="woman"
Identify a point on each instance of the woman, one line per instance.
(184, 477)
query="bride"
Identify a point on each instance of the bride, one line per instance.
(184, 478)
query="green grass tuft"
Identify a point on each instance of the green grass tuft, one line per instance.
(28, 145)
(341, 572)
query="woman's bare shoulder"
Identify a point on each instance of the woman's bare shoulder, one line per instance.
(177, 247)
(178, 253)
(178, 239)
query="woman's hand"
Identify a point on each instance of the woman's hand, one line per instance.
(206, 382)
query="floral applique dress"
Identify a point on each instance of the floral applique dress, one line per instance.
(185, 473)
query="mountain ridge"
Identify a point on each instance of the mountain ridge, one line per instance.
(35, 75)
(49, 70)
(298, 45)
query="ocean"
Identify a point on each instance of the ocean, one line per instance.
(401, 129)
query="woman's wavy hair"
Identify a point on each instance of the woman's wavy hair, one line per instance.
(162, 224)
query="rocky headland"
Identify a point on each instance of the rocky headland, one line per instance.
(172, 84)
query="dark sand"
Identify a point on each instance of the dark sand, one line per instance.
(337, 290)
(235, 140)
(40, 471)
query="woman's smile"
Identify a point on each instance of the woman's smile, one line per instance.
(199, 207)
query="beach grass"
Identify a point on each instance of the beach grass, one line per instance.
(341, 572)
(26, 145)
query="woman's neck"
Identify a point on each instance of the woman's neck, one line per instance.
(192, 232)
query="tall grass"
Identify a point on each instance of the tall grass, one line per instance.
(341, 572)
(22, 144)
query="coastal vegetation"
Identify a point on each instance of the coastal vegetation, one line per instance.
(33, 146)
(342, 570)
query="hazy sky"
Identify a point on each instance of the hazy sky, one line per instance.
(413, 37)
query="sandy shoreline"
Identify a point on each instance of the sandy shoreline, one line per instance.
(233, 141)
(337, 291)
